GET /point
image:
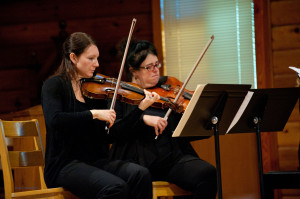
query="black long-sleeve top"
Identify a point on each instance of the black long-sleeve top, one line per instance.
(138, 143)
(72, 133)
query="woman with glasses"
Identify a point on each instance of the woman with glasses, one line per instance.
(169, 159)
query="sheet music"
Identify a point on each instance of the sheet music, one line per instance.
(295, 69)
(188, 110)
(241, 110)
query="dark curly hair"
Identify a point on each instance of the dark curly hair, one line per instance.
(137, 53)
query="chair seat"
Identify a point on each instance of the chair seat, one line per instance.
(57, 193)
(38, 193)
(163, 188)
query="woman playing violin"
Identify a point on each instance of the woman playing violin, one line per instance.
(169, 159)
(77, 144)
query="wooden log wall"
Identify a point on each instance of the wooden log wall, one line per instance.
(285, 23)
(31, 34)
(32, 31)
(285, 34)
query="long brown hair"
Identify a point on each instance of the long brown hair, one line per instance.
(76, 43)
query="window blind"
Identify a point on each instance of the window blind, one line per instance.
(187, 25)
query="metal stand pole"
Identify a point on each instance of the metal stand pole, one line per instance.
(214, 121)
(256, 121)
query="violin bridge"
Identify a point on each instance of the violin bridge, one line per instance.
(176, 90)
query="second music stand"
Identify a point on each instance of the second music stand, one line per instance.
(267, 111)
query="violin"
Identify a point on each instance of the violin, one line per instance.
(103, 87)
(169, 87)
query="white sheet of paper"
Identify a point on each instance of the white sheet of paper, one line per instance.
(188, 110)
(241, 110)
(295, 69)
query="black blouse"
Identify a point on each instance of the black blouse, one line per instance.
(72, 133)
(138, 143)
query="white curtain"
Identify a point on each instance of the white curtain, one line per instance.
(187, 26)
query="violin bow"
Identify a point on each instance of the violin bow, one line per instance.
(189, 76)
(112, 106)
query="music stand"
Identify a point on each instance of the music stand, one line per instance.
(267, 111)
(210, 112)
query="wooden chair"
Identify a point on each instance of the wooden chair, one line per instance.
(25, 158)
(167, 190)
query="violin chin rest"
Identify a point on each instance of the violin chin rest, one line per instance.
(166, 87)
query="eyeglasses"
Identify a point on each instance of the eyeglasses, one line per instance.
(150, 67)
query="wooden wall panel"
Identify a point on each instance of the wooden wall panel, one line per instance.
(282, 59)
(285, 25)
(19, 100)
(286, 37)
(287, 160)
(277, 47)
(290, 135)
(102, 28)
(262, 44)
(285, 12)
(43, 10)
(284, 80)
(238, 154)
(295, 116)
(29, 55)
(31, 34)
(28, 34)
(288, 146)
(290, 193)
(19, 81)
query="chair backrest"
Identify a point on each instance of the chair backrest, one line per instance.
(23, 157)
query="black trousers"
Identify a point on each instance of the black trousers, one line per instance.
(106, 180)
(190, 173)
